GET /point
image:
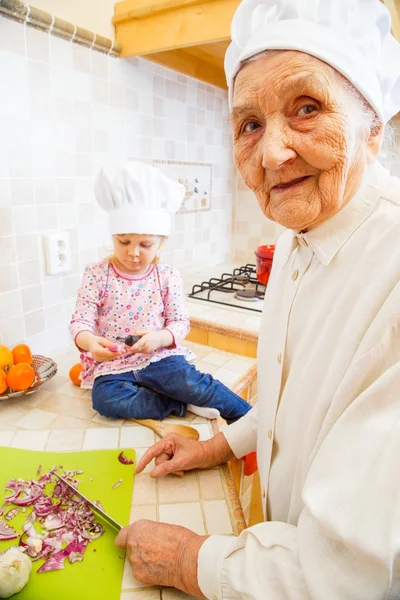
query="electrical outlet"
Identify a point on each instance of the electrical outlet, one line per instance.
(57, 252)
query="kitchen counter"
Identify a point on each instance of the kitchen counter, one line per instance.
(60, 417)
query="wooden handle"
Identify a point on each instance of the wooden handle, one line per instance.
(151, 425)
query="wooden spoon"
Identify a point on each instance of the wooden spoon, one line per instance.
(162, 429)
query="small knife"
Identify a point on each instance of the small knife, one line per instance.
(98, 510)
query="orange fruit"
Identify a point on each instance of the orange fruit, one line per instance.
(74, 373)
(20, 377)
(3, 381)
(6, 357)
(22, 354)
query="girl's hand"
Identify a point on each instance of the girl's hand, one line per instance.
(153, 341)
(98, 347)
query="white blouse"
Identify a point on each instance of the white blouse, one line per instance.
(327, 423)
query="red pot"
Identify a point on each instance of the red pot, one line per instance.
(264, 258)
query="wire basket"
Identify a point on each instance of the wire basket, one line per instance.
(45, 368)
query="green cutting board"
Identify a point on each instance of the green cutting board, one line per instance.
(99, 575)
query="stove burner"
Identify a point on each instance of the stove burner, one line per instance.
(241, 285)
(247, 295)
(241, 278)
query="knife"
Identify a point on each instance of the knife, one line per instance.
(98, 510)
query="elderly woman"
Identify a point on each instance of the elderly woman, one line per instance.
(312, 84)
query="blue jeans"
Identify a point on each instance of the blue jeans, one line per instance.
(161, 389)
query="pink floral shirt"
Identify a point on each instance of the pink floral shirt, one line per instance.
(112, 304)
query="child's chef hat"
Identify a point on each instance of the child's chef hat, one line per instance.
(353, 36)
(138, 198)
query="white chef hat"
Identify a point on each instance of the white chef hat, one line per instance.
(138, 198)
(353, 36)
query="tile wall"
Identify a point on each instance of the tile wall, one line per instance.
(65, 110)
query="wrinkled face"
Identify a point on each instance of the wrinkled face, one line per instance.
(301, 142)
(134, 253)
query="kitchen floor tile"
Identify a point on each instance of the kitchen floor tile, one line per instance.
(211, 485)
(67, 440)
(147, 511)
(240, 365)
(30, 440)
(188, 515)
(144, 490)
(137, 437)
(10, 413)
(206, 367)
(54, 383)
(100, 420)
(69, 405)
(66, 422)
(217, 358)
(69, 389)
(217, 517)
(33, 400)
(101, 439)
(226, 376)
(37, 419)
(6, 437)
(198, 349)
(182, 489)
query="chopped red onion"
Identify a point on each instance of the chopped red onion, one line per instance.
(66, 522)
(11, 514)
(124, 460)
(7, 532)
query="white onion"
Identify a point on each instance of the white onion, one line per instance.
(15, 568)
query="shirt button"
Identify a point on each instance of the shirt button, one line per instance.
(270, 434)
(263, 493)
(279, 358)
(295, 274)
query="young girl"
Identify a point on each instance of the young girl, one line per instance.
(131, 293)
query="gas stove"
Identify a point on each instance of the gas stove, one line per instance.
(239, 289)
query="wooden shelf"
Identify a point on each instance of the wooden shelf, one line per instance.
(189, 36)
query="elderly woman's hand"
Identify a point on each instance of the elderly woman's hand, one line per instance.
(162, 554)
(176, 454)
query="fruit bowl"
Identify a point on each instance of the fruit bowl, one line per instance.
(44, 367)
